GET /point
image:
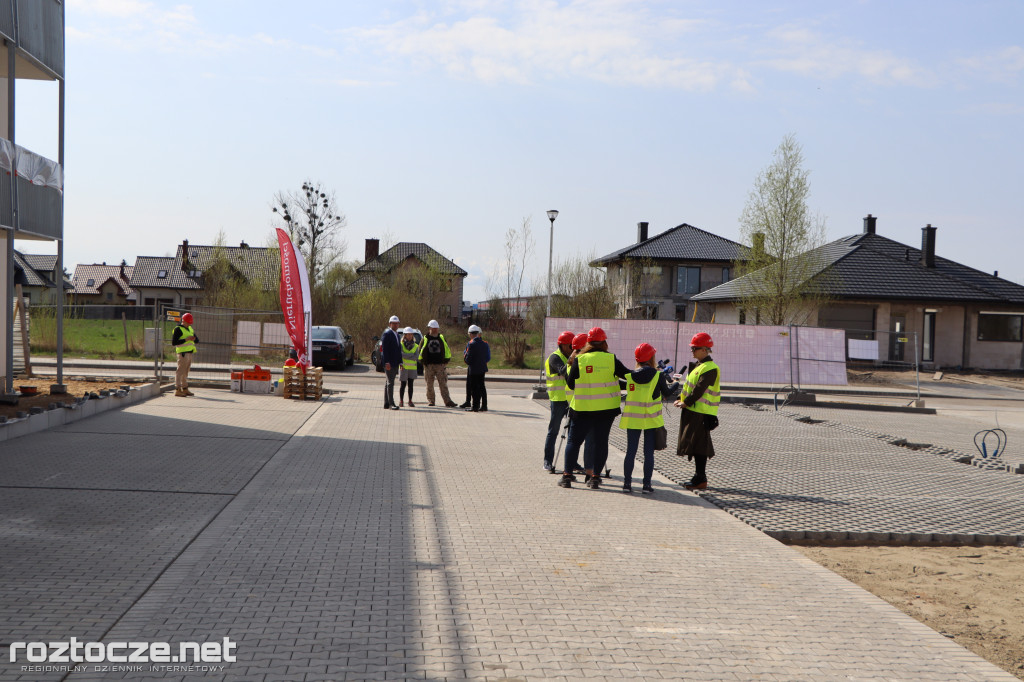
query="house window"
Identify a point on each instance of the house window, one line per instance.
(446, 285)
(928, 339)
(444, 312)
(110, 296)
(687, 280)
(90, 283)
(999, 326)
(725, 275)
(743, 316)
(162, 274)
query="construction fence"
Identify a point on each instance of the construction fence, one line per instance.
(776, 356)
(228, 339)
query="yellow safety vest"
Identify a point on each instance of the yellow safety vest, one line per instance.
(558, 392)
(640, 410)
(188, 346)
(444, 344)
(596, 389)
(410, 354)
(707, 403)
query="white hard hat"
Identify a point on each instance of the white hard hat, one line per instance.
(433, 325)
(394, 318)
(474, 328)
(407, 330)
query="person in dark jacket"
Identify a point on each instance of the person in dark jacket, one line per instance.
(642, 414)
(391, 354)
(699, 403)
(477, 355)
(555, 369)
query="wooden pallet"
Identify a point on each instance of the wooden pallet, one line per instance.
(308, 386)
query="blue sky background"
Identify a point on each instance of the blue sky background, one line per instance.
(449, 122)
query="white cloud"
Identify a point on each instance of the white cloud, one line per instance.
(1003, 65)
(526, 41)
(804, 52)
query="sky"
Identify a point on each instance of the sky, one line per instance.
(451, 122)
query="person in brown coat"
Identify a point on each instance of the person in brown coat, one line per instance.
(699, 403)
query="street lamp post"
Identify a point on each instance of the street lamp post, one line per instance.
(551, 249)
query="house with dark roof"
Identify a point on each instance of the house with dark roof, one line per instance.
(38, 276)
(891, 293)
(102, 283)
(656, 277)
(412, 265)
(178, 281)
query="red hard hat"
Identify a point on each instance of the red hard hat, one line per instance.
(644, 352)
(565, 338)
(596, 334)
(701, 340)
(187, 318)
(579, 342)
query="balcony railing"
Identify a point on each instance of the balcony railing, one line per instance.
(37, 27)
(40, 186)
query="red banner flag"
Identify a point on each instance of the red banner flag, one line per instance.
(293, 279)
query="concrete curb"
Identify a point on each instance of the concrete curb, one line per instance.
(15, 428)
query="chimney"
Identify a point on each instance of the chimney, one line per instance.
(995, 274)
(372, 250)
(243, 245)
(928, 246)
(641, 232)
(124, 276)
(758, 239)
(869, 224)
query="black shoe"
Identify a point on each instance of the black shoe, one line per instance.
(394, 407)
(627, 488)
(451, 404)
(565, 482)
(464, 405)
(647, 490)
(482, 409)
(594, 483)
(703, 485)
(471, 409)
(579, 470)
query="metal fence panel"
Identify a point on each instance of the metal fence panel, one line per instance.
(228, 340)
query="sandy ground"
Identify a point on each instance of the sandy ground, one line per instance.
(975, 595)
(76, 388)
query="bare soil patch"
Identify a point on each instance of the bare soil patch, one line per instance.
(76, 388)
(971, 594)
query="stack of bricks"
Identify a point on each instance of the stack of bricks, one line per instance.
(304, 386)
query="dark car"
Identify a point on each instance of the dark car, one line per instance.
(375, 353)
(332, 347)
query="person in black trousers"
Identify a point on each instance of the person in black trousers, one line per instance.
(477, 355)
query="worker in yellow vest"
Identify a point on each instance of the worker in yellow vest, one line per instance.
(641, 414)
(410, 357)
(555, 368)
(184, 340)
(595, 402)
(702, 393)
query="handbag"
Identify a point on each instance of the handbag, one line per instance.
(710, 422)
(660, 438)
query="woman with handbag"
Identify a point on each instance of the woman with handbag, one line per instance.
(641, 414)
(410, 357)
(699, 403)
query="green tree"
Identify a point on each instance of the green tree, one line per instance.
(780, 272)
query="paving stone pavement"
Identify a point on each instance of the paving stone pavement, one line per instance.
(833, 481)
(91, 514)
(429, 544)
